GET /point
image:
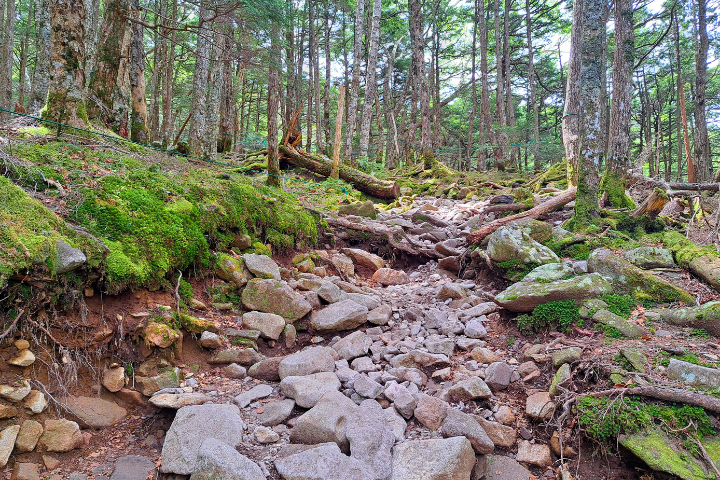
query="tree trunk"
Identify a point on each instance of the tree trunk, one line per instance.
(703, 165)
(228, 107)
(417, 42)
(319, 130)
(110, 84)
(328, 72)
(9, 55)
(335, 172)
(485, 92)
(200, 78)
(139, 130)
(500, 139)
(215, 87)
(272, 112)
(473, 54)
(92, 31)
(322, 165)
(66, 89)
(355, 84)
(370, 81)
(23, 80)
(571, 112)
(167, 82)
(41, 76)
(311, 74)
(683, 112)
(534, 148)
(591, 150)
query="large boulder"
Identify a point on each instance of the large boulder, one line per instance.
(352, 346)
(307, 390)
(274, 296)
(461, 424)
(231, 269)
(344, 315)
(525, 296)
(222, 461)
(363, 258)
(61, 436)
(695, 375)
(262, 266)
(324, 462)
(705, 316)
(644, 285)
(193, 425)
(550, 272)
(268, 324)
(388, 276)
(436, 459)
(371, 438)
(308, 361)
(325, 422)
(7, 442)
(650, 257)
(511, 243)
(95, 412)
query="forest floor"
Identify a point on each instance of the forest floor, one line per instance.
(435, 331)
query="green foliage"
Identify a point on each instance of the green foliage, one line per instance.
(558, 315)
(516, 270)
(621, 305)
(605, 418)
(700, 333)
(185, 291)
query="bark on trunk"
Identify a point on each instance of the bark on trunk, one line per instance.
(485, 93)
(215, 87)
(41, 77)
(571, 112)
(623, 63)
(272, 113)
(66, 89)
(139, 130)
(417, 42)
(167, 95)
(110, 83)
(370, 81)
(355, 84)
(200, 77)
(500, 139)
(534, 148)
(322, 165)
(703, 163)
(9, 55)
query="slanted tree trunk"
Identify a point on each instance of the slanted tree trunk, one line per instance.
(370, 81)
(139, 130)
(703, 165)
(198, 111)
(355, 83)
(618, 160)
(571, 112)
(41, 76)
(66, 89)
(110, 83)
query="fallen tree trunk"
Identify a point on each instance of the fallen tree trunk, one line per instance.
(707, 402)
(544, 208)
(653, 204)
(322, 165)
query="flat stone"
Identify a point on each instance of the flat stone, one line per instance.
(352, 346)
(419, 359)
(7, 442)
(330, 292)
(695, 375)
(650, 257)
(241, 356)
(460, 424)
(539, 406)
(308, 361)
(218, 460)
(235, 371)
(344, 315)
(274, 296)
(469, 389)
(435, 459)
(566, 355)
(363, 258)
(265, 435)
(430, 411)
(388, 276)
(368, 301)
(628, 329)
(549, 272)
(500, 435)
(175, 401)
(636, 358)
(505, 415)
(7, 411)
(498, 375)
(268, 324)
(255, 393)
(194, 425)
(324, 462)
(451, 290)
(534, 454)
(325, 422)
(444, 346)
(525, 296)
(371, 438)
(380, 315)
(23, 359)
(359, 209)
(484, 355)
(133, 467)
(309, 389)
(505, 468)
(61, 436)
(561, 378)
(262, 266)
(95, 412)
(26, 471)
(28, 436)
(15, 392)
(275, 413)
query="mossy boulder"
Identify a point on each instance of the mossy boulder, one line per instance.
(550, 272)
(644, 285)
(702, 261)
(706, 316)
(364, 209)
(231, 269)
(650, 257)
(160, 335)
(303, 262)
(665, 454)
(525, 296)
(262, 266)
(609, 319)
(512, 243)
(196, 325)
(275, 296)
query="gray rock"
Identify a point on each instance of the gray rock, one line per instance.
(346, 374)
(235, 371)
(232, 270)
(405, 404)
(133, 467)
(500, 435)
(324, 462)
(344, 315)
(262, 266)
(67, 258)
(363, 365)
(562, 376)
(367, 388)
(352, 346)
(534, 454)
(444, 346)
(525, 296)
(380, 315)
(330, 292)
(267, 369)
(434, 318)
(512, 243)
(460, 424)
(371, 438)
(695, 375)
(566, 355)
(325, 422)
(7, 442)
(475, 329)
(225, 462)
(452, 327)
(430, 411)
(255, 393)
(650, 257)
(419, 359)
(359, 209)
(368, 301)
(549, 272)
(310, 360)
(191, 426)
(628, 329)
(275, 413)
(95, 412)
(242, 356)
(705, 316)
(606, 263)
(366, 259)
(436, 459)
(273, 296)
(211, 340)
(308, 390)
(498, 375)
(396, 422)
(176, 401)
(268, 324)
(451, 290)
(469, 389)
(637, 358)
(479, 310)
(505, 468)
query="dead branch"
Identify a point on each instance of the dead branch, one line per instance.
(668, 394)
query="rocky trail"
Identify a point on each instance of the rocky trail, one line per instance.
(343, 364)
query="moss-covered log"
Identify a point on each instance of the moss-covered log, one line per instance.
(704, 262)
(323, 165)
(653, 204)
